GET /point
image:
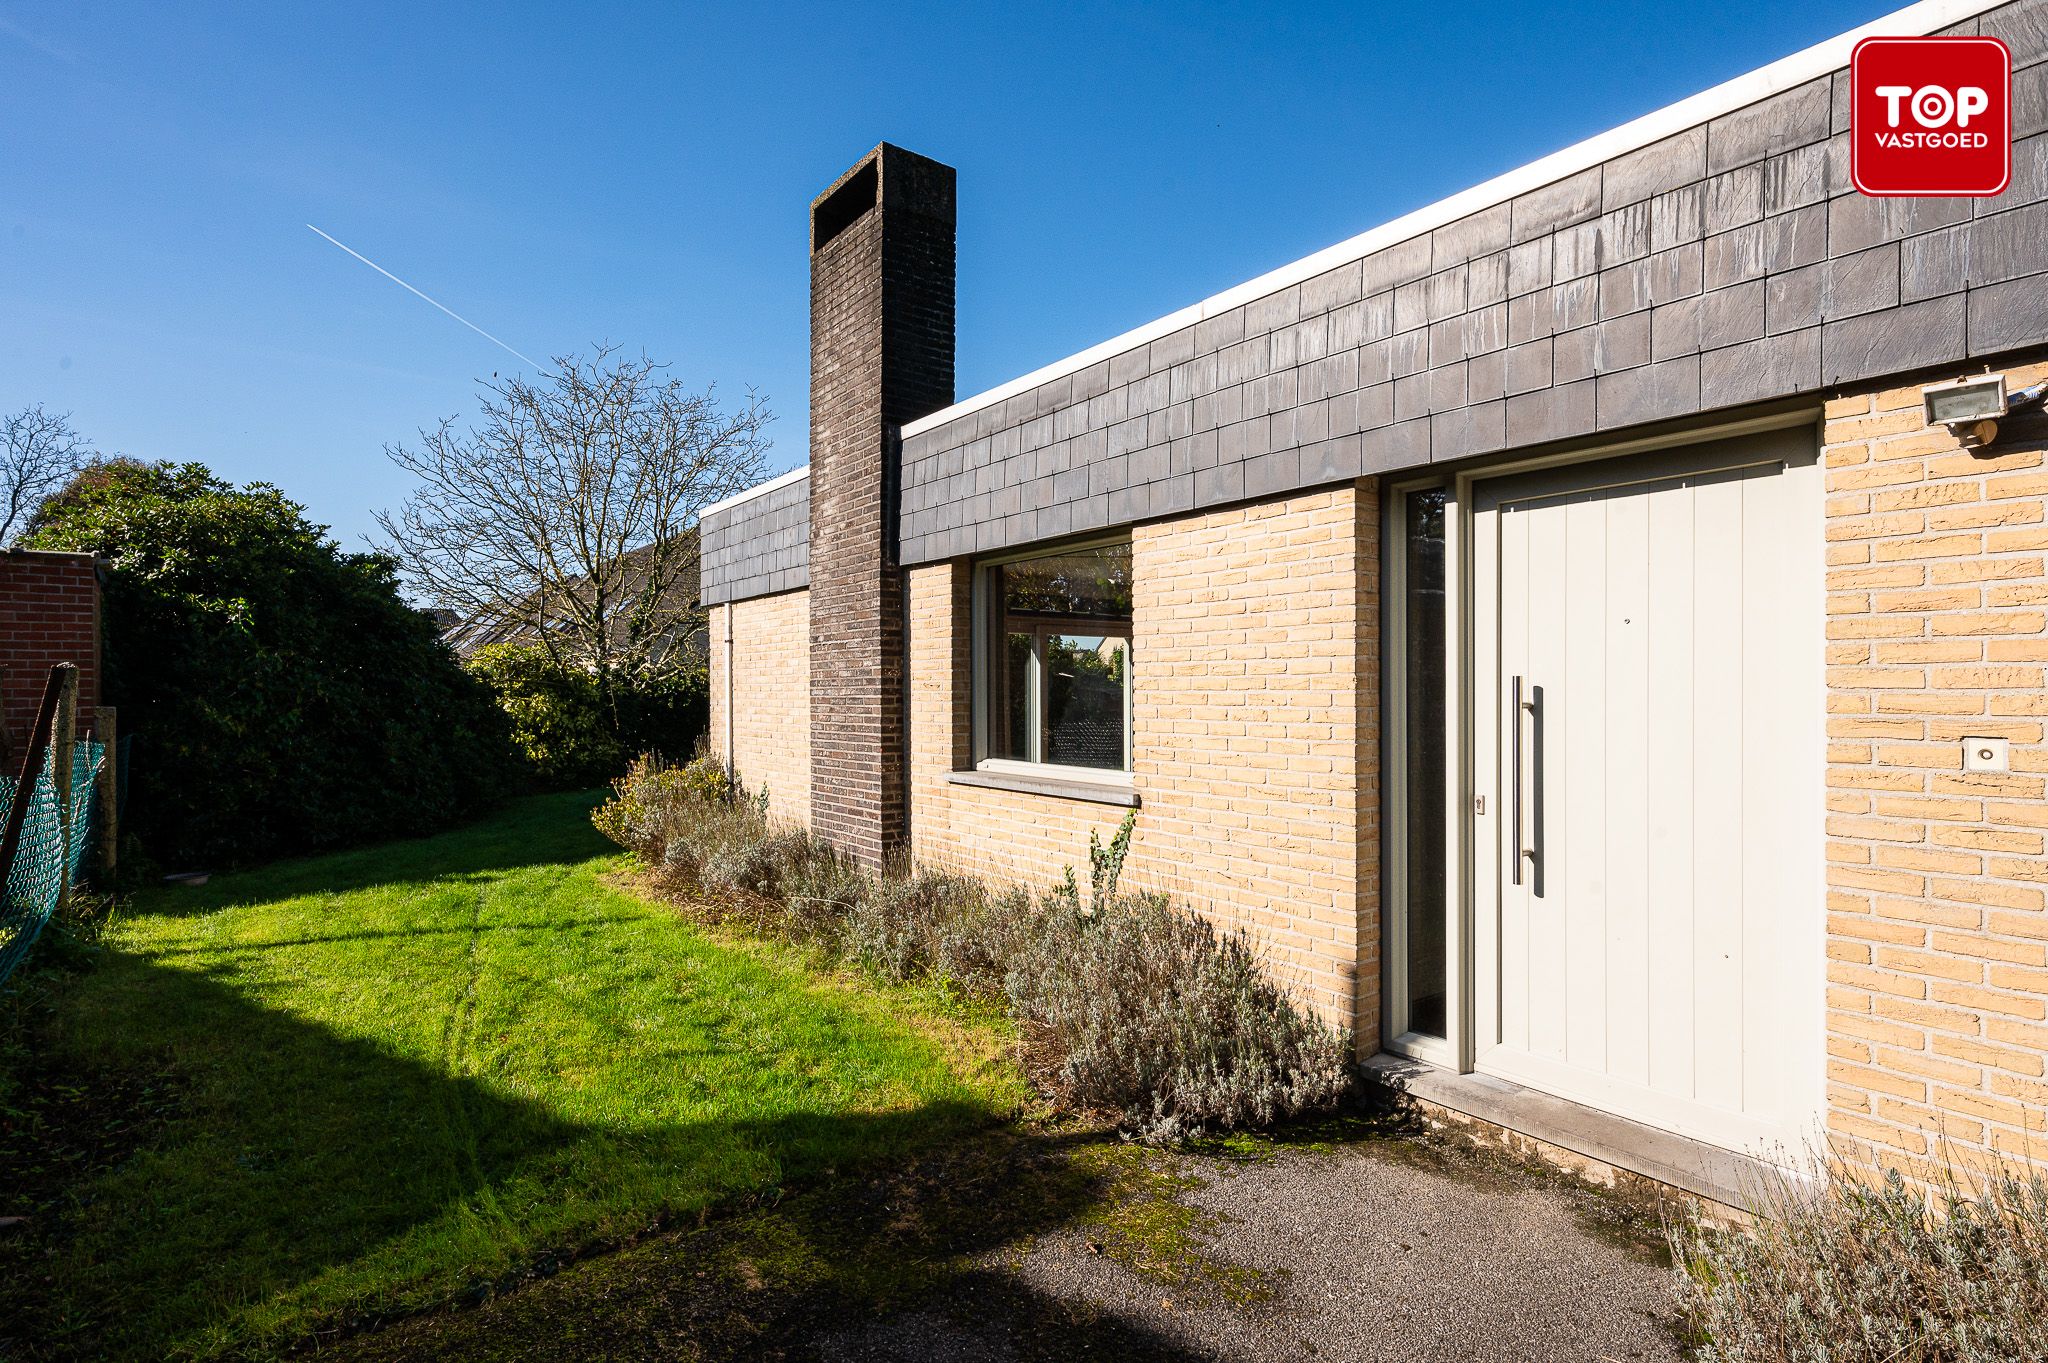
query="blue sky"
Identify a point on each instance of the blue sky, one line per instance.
(566, 174)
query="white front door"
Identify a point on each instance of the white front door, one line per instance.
(1648, 746)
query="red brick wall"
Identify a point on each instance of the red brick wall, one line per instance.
(49, 613)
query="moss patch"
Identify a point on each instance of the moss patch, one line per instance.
(1141, 1219)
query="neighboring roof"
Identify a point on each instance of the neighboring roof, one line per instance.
(467, 636)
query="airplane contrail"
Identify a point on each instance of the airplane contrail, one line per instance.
(410, 289)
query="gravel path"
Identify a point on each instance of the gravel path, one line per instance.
(1356, 1256)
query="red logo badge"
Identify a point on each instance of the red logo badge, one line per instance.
(1931, 117)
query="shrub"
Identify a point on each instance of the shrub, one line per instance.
(1883, 1272)
(764, 869)
(928, 923)
(705, 777)
(1152, 1013)
(283, 697)
(655, 802)
(557, 724)
(568, 734)
(1128, 1004)
(668, 713)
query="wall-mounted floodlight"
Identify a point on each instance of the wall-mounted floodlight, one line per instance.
(1964, 402)
(1971, 407)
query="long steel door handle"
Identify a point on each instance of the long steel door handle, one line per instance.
(1515, 778)
(1523, 852)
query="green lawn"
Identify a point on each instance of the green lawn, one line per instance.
(401, 1075)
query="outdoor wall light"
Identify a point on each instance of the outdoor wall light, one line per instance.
(1971, 407)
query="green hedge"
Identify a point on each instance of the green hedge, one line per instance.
(282, 695)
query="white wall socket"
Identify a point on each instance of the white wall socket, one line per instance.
(1987, 754)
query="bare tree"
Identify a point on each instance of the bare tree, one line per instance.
(39, 453)
(566, 515)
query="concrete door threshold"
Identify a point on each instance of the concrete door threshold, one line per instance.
(1609, 1144)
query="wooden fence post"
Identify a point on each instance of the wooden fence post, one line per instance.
(63, 743)
(107, 731)
(32, 767)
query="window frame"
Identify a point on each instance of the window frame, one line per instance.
(980, 607)
(1398, 804)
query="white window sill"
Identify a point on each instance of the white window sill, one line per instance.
(1092, 790)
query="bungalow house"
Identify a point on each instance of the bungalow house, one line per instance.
(1561, 624)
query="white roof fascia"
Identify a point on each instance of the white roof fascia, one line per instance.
(759, 489)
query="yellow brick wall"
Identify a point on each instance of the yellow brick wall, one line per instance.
(1255, 715)
(1938, 935)
(770, 734)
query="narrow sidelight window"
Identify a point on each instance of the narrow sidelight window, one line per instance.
(1054, 659)
(1422, 774)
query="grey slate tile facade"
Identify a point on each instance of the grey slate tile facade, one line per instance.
(1730, 263)
(759, 547)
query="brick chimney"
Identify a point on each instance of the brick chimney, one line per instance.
(881, 355)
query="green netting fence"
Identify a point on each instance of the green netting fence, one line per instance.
(42, 865)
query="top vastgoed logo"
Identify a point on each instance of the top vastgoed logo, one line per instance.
(1930, 117)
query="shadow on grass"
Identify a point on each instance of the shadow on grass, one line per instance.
(538, 830)
(906, 1262)
(307, 1194)
(239, 1179)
